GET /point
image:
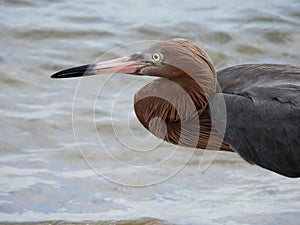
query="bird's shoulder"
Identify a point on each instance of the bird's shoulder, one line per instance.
(262, 82)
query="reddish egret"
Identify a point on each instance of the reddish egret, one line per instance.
(262, 103)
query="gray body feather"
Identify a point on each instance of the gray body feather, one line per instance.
(263, 115)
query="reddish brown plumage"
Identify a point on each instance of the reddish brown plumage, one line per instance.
(180, 98)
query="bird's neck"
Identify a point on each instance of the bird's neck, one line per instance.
(173, 110)
(200, 89)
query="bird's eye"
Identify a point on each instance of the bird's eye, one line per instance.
(157, 57)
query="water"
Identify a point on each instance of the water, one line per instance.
(104, 167)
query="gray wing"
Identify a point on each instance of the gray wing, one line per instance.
(263, 114)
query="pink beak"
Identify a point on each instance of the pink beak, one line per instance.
(125, 64)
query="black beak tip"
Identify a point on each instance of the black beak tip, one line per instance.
(79, 71)
(56, 75)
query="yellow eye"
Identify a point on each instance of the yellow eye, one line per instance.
(157, 57)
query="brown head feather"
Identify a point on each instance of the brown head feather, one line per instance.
(172, 107)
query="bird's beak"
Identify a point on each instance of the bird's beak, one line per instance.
(125, 64)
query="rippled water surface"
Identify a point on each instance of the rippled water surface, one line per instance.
(73, 150)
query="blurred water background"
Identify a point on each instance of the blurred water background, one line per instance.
(73, 150)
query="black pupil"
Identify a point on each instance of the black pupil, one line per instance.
(156, 57)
